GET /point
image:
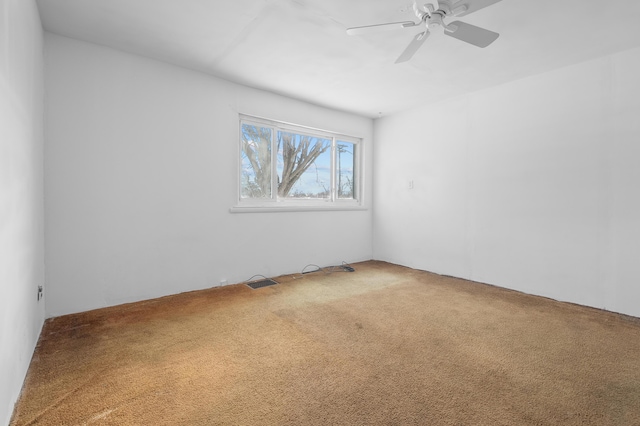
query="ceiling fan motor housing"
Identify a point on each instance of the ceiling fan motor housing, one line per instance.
(445, 8)
(435, 19)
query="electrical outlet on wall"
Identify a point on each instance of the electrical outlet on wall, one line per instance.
(223, 282)
(40, 292)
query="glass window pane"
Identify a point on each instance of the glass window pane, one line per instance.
(345, 169)
(304, 166)
(255, 181)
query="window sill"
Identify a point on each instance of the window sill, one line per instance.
(296, 208)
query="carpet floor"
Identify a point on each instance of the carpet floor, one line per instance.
(384, 345)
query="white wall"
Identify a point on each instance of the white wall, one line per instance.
(140, 168)
(533, 185)
(21, 206)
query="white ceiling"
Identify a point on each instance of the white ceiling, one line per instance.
(299, 48)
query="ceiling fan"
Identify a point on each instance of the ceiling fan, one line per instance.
(433, 19)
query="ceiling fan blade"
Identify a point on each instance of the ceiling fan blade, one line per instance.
(367, 29)
(413, 47)
(469, 6)
(471, 34)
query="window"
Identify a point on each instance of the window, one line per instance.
(285, 166)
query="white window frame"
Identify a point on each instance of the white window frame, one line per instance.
(246, 205)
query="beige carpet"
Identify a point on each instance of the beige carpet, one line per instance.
(384, 345)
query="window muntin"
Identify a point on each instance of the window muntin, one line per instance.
(283, 164)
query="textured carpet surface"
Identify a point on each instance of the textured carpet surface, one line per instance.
(384, 345)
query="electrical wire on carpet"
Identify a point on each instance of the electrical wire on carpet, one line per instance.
(250, 280)
(344, 267)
